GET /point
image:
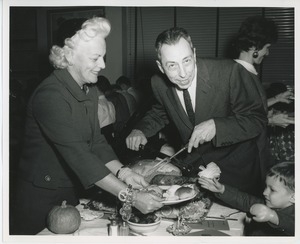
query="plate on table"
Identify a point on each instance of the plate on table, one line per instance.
(88, 215)
(171, 202)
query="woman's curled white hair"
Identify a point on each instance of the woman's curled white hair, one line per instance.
(89, 29)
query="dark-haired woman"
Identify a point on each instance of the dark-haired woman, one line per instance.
(254, 38)
(253, 42)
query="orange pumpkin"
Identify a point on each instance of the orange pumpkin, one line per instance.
(64, 219)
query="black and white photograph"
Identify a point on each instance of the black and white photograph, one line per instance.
(143, 122)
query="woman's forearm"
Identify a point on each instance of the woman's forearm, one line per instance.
(111, 184)
(272, 101)
(114, 166)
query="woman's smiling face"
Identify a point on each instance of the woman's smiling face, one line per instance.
(178, 62)
(88, 60)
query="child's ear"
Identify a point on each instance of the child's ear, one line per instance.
(292, 198)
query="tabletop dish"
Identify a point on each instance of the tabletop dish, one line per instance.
(171, 202)
(176, 193)
(144, 228)
(88, 215)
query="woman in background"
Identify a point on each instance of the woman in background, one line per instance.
(252, 43)
(254, 39)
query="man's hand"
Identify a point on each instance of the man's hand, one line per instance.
(262, 213)
(212, 185)
(134, 139)
(203, 132)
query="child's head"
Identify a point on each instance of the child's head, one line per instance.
(280, 185)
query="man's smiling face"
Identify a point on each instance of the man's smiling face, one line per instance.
(178, 62)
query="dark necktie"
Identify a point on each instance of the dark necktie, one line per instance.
(189, 106)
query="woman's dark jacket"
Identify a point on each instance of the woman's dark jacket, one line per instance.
(63, 143)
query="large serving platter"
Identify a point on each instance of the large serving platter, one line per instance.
(171, 202)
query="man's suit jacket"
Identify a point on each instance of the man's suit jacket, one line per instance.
(235, 105)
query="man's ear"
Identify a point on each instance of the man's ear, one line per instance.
(160, 66)
(292, 198)
(194, 49)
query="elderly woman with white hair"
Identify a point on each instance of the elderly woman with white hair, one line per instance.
(63, 145)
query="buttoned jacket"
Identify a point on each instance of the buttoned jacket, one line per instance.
(63, 144)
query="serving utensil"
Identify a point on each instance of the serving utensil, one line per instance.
(224, 216)
(166, 160)
(215, 217)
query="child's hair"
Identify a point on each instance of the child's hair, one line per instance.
(285, 172)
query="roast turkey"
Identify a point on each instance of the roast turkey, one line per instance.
(169, 180)
(149, 168)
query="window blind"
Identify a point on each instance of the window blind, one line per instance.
(148, 23)
(279, 66)
(201, 24)
(230, 20)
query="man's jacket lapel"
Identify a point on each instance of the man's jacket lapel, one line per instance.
(204, 94)
(172, 95)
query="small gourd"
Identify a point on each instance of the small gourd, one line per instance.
(64, 219)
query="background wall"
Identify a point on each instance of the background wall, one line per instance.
(29, 44)
(212, 30)
(130, 46)
(114, 53)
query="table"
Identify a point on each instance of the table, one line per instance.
(98, 227)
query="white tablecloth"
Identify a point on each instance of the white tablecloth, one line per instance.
(99, 226)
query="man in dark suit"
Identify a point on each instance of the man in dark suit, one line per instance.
(222, 120)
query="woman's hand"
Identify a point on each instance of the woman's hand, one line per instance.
(131, 178)
(147, 202)
(280, 119)
(136, 180)
(285, 97)
(212, 185)
(262, 213)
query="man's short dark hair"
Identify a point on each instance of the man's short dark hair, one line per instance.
(170, 37)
